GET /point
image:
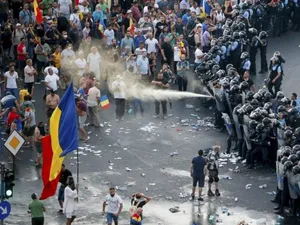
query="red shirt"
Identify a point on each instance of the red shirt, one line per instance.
(12, 116)
(21, 49)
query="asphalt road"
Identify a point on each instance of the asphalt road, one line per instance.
(145, 145)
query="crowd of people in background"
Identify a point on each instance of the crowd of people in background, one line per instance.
(159, 43)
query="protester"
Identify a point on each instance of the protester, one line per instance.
(112, 206)
(213, 170)
(93, 105)
(70, 199)
(36, 208)
(198, 173)
(118, 87)
(63, 180)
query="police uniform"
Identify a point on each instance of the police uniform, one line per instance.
(235, 53)
(253, 52)
(277, 84)
(246, 64)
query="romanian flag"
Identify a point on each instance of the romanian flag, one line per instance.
(104, 102)
(131, 26)
(62, 140)
(37, 12)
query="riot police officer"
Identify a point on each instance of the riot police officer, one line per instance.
(275, 77)
(263, 44)
(253, 50)
(235, 50)
(245, 63)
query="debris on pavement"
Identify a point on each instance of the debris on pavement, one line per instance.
(128, 169)
(189, 106)
(263, 186)
(248, 186)
(175, 209)
(148, 128)
(236, 199)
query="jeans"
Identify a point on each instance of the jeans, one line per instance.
(182, 83)
(163, 105)
(120, 107)
(14, 91)
(94, 117)
(137, 103)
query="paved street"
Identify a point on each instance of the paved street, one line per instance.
(145, 145)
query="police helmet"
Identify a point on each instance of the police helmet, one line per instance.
(249, 95)
(295, 149)
(244, 86)
(215, 68)
(281, 109)
(293, 111)
(298, 154)
(264, 113)
(279, 95)
(209, 64)
(288, 134)
(296, 170)
(257, 96)
(248, 109)
(266, 121)
(235, 35)
(242, 33)
(221, 73)
(288, 166)
(259, 127)
(233, 82)
(285, 101)
(207, 57)
(234, 89)
(221, 41)
(284, 159)
(293, 158)
(252, 31)
(228, 66)
(297, 132)
(262, 91)
(253, 124)
(226, 31)
(228, 21)
(245, 55)
(267, 105)
(255, 115)
(263, 35)
(226, 85)
(286, 152)
(268, 96)
(254, 103)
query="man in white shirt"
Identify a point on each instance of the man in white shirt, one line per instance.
(93, 105)
(70, 199)
(65, 7)
(51, 80)
(151, 44)
(109, 35)
(118, 87)
(113, 205)
(139, 51)
(198, 55)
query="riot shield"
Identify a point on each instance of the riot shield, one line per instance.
(237, 126)
(246, 132)
(243, 97)
(228, 123)
(228, 103)
(280, 137)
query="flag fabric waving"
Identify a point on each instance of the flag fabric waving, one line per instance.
(104, 102)
(62, 140)
(131, 26)
(37, 12)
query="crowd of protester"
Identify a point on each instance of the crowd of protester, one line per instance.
(159, 42)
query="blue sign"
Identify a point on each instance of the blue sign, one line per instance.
(4, 210)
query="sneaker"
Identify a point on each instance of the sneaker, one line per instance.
(210, 193)
(87, 139)
(60, 211)
(165, 117)
(192, 197)
(217, 192)
(155, 116)
(200, 199)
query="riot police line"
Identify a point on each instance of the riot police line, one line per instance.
(263, 126)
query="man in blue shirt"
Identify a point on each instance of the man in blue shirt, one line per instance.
(198, 172)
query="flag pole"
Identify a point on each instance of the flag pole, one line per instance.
(77, 168)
